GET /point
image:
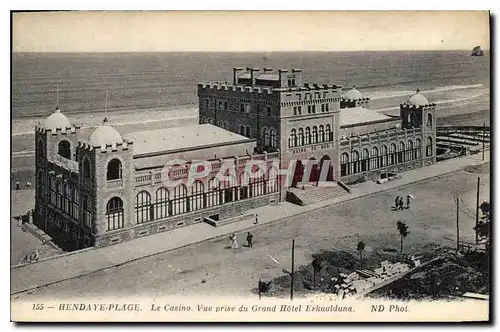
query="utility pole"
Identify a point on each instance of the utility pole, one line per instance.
(458, 228)
(484, 132)
(291, 273)
(477, 205)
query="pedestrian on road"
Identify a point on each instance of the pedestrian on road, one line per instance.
(234, 242)
(396, 202)
(256, 219)
(408, 199)
(401, 203)
(249, 240)
(18, 185)
(28, 184)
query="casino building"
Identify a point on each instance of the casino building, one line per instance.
(108, 188)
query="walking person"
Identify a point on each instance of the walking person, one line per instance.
(234, 242)
(249, 240)
(256, 219)
(28, 184)
(401, 203)
(396, 202)
(408, 199)
(18, 185)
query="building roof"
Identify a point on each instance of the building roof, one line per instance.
(360, 115)
(265, 77)
(105, 135)
(417, 99)
(353, 94)
(57, 120)
(175, 138)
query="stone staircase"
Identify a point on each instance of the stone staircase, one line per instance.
(240, 217)
(312, 193)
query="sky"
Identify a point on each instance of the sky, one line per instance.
(178, 31)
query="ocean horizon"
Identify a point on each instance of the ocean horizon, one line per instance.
(165, 81)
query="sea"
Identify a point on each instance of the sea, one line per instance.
(148, 90)
(138, 82)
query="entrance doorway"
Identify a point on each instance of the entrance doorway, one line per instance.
(326, 162)
(297, 173)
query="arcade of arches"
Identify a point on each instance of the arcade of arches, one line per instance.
(369, 159)
(320, 171)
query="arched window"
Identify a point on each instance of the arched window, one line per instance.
(52, 191)
(86, 168)
(244, 182)
(272, 180)
(41, 149)
(161, 204)
(180, 202)
(328, 133)
(257, 186)
(315, 135)
(393, 153)
(114, 169)
(75, 203)
(429, 119)
(401, 153)
(355, 162)
(418, 148)
(375, 158)
(114, 213)
(143, 208)
(273, 138)
(300, 137)
(264, 137)
(87, 210)
(292, 141)
(67, 197)
(197, 199)
(384, 157)
(230, 189)
(64, 149)
(428, 147)
(39, 182)
(410, 154)
(59, 194)
(321, 133)
(344, 164)
(365, 160)
(213, 193)
(308, 136)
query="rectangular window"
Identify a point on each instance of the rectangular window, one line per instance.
(308, 109)
(242, 130)
(269, 111)
(327, 107)
(299, 109)
(247, 108)
(295, 111)
(314, 108)
(242, 108)
(225, 105)
(322, 107)
(207, 103)
(247, 133)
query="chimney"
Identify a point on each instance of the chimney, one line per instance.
(283, 78)
(235, 75)
(252, 74)
(298, 76)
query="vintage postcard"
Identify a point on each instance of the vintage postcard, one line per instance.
(231, 166)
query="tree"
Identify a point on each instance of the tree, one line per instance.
(483, 227)
(316, 264)
(360, 249)
(403, 231)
